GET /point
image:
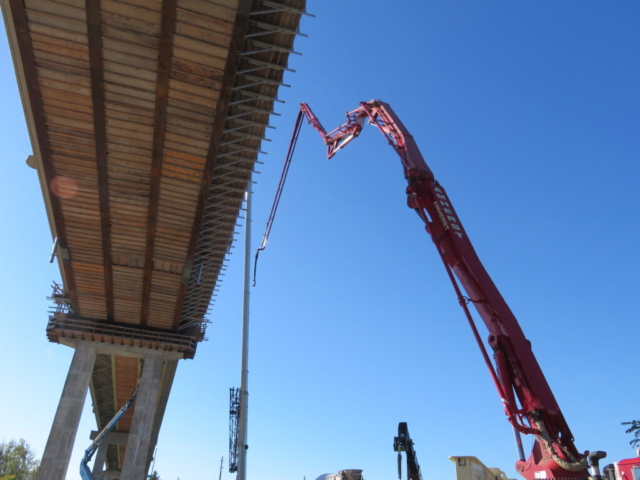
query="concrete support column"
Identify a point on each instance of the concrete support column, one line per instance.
(55, 459)
(111, 438)
(139, 444)
(170, 367)
(101, 457)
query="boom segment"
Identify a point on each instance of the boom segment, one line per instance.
(528, 401)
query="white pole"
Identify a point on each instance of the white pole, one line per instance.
(244, 393)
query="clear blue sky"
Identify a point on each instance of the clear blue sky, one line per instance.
(528, 112)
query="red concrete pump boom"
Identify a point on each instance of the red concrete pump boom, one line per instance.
(527, 398)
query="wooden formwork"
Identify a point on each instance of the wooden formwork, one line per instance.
(146, 119)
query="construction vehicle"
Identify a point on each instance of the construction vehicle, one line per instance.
(467, 468)
(85, 471)
(352, 474)
(529, 403)
(403, 443)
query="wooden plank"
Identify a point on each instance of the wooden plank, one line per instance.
(57, 26)
(132, 262)
(207, 95)
(132, 93)
(189, 78)
(176, 212)
(142, 134)
(70, 157)
(198, 57)
(204, 34)
(130, 71)
(137, 83)
(139, 177)
(180, 186)
(119, 148)
(195, 70)
(119, 119)
(73, 3)
(117, 100)
(180, 199)
(139, 115)
(56, 8)
(169, 231)
(192, 139)
(177, 111)
(66, 146)
(131, 205)
(191, 161)
(66, 143)
(87, 240)
(124, 47)
(183, 123)
(182, 174)
(63, 113)
(188, 149)
(130, 235)
(205, 22)
(123, 167)
(144, 15)
(127, 191)
(79, 80)
(71, 67)
(134, 38)
(67, 122)
(71, 99)
(52, 54)
(190, 101)
(124, 58)
(129, 24)
(206, 7)
(64, 88)
(123, 244)
(183, 43)
(88, 245)
(51, 31)
(128, 129)
(133, 229)
(85, 207)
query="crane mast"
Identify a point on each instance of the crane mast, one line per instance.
(528, 401)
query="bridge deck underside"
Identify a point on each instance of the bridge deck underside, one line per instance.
(146, 119)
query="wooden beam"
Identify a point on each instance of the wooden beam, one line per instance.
(167, 29)
(96, 67)
(19, 17)
(228, 81)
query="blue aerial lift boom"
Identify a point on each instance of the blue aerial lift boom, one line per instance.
(85, 471)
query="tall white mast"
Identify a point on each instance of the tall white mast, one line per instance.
(244, 378)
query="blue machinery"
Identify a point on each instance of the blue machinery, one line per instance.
(85, 471)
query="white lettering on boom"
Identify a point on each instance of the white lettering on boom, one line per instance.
(443, 204)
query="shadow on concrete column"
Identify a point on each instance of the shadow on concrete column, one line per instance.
(57, 452)
(139, 444)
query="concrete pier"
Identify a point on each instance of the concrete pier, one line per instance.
(112, 438)
(139, 445)
(158, 371)
(55, 459)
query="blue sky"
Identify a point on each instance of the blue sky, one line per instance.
(528, 113)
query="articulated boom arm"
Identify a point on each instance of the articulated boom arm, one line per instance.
(527, 398)
(403, 443)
